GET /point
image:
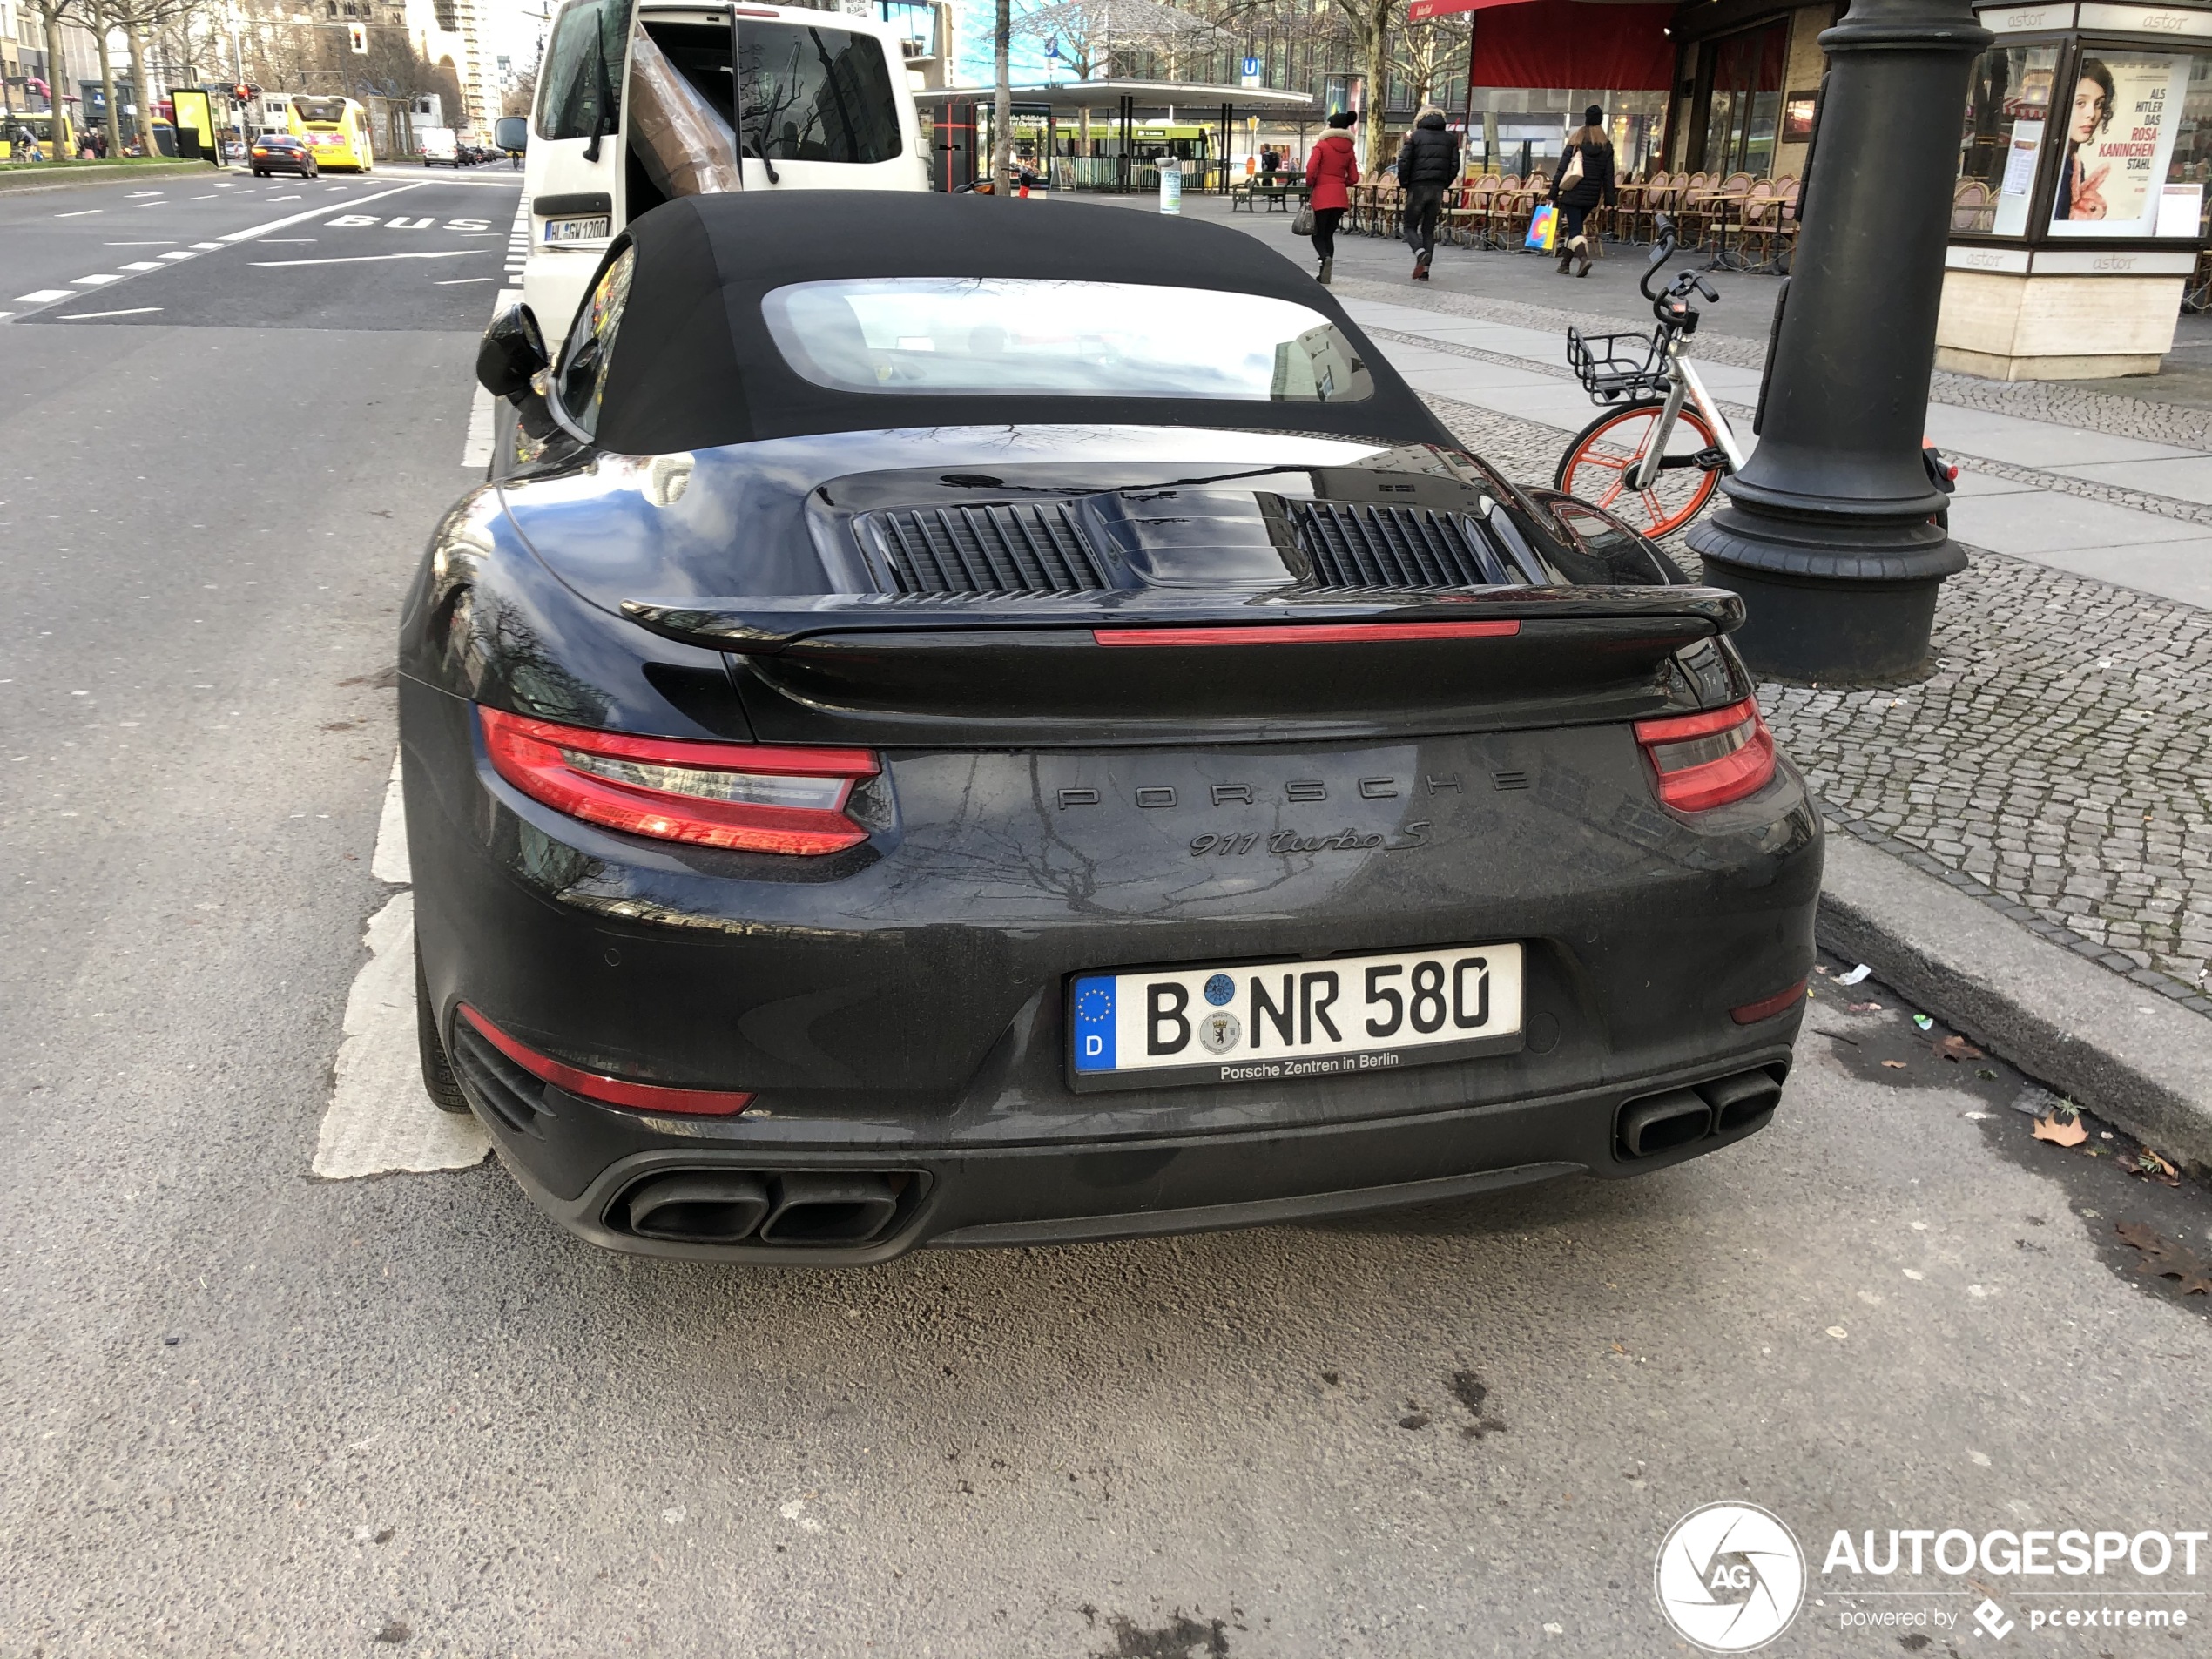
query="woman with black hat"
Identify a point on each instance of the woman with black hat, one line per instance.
(1584, 179)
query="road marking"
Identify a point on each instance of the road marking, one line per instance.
(4, 315)
(208, 198)
(99, 279)
(87, 316)
(456, 282)
(483, 427)
(207, 248)
(165, 242)
(379, 1119)
(146, 192)
(312, 212)
(294, 198)
(46, 296)
(180, 253)
(80, 213)
(144, 264)
(362, 258)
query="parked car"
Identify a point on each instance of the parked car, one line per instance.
(439, 147)
(275, 152)
(823, 103)
(943, 736)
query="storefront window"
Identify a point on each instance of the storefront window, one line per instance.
(1744, 118)
(2132, 158)
(2007, 103)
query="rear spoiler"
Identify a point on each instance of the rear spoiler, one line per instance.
(766, 625)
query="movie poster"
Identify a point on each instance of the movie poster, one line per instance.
(2119, 123)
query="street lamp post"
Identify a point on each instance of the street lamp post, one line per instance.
(1828, 532)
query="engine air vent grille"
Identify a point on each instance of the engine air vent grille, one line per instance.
(1357, 544)
(1018, 547)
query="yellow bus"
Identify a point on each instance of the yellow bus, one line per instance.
(336, 129)
(41, 128)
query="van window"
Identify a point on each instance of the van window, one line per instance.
(584, 58)
(811, 94)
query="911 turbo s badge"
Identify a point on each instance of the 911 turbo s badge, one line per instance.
(1284, 841)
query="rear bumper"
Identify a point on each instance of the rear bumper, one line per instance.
(1143, 1185)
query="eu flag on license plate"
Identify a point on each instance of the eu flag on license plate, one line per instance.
(1095, 1024)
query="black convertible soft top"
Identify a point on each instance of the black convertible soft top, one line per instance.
(694, 367)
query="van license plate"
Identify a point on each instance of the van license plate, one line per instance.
(577, 230)
(1341, 1017)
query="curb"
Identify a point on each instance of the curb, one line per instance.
(2132, 1055)
(66, 176)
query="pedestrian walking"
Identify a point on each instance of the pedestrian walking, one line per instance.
(1331, 172)
(1584, 179)
(1428, 164)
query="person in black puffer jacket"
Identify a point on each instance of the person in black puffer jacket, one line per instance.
(1428, 164)
(1596, 186)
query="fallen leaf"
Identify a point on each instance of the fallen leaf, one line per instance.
(2061, 1131)
(2163, 1258)
(2148, 1164)
(1894, 1065)
(1957, 1047)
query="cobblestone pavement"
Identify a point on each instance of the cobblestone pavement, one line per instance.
(2055, 400)
(2059, 757)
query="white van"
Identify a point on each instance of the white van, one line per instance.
(818, 100)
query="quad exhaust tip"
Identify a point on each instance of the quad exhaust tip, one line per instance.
(1679, 1117)
(787, 1208)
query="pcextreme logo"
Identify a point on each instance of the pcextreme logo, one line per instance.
(1729, 1577)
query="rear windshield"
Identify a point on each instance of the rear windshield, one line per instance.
(1012, 335)
(811, 94)
(321, 112)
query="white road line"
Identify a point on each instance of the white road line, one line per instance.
(292, 198)
(4, 315)
(475, 452)
(180, 253)
(87, 316)
(209, 197)
(457, 282)
(206, 248)
(379, 1119)
(80, 213)
(312, 212)
(99, 279)
(144, 264)
(165, 242)
(361, 258)
(46, 296)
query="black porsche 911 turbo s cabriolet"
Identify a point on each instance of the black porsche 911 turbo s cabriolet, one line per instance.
(957, 725)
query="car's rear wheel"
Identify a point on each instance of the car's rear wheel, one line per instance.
(438, 1080)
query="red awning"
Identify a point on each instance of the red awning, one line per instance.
(1566, 42)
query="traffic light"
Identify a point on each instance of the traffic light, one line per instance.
(357, 36)
(244, 94)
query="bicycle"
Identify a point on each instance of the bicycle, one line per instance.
(1670, 446)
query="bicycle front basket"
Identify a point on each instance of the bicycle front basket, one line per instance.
(1615, 365)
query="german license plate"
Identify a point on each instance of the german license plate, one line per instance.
(1344, 1016)
(577, 230)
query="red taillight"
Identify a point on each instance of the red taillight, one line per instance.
(1707, 760)
(1767, 1008)
(1302, 633)
(740, 796)
(610, 1091)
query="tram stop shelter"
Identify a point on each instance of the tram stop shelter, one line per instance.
(1102, 135)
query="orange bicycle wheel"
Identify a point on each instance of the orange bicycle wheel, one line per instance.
(1599, 463)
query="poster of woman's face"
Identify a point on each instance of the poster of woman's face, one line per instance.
(2119, 126)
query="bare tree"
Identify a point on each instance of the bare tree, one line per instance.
(51, 15)
(1002, 102)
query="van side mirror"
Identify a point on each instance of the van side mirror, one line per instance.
(511, 132)
(511, 353)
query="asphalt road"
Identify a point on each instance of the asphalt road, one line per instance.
(245, 1409)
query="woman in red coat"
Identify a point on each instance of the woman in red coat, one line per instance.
(1331, 172)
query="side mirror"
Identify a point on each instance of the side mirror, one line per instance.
(511, 352)
(511, 132)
